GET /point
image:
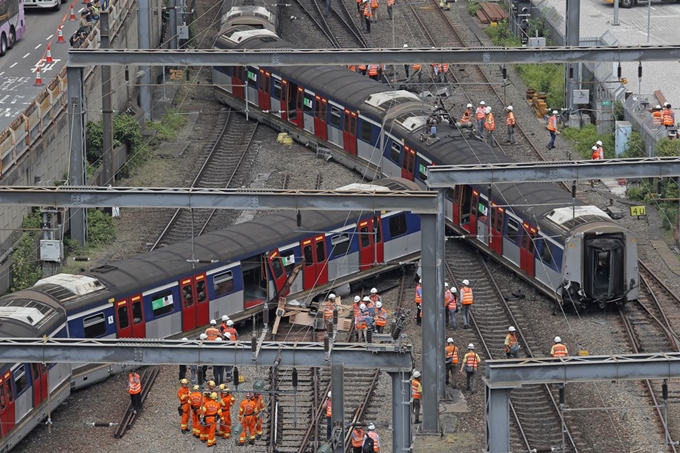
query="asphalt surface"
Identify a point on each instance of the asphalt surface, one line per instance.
(18, 67)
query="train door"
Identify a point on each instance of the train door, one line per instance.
(408, 163)
(130, 318)
(6, 404)
(195, 306)
(39, 375)
(277, 271)
(496, 234)
(263, 92)
(315, 270)
(349, 132)
(527, 249)
(469, 205)
(371, 247)
(320, 112)
(299, 108)
(237, 81)
(456, 205)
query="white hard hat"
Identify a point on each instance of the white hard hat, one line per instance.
(470, 106)
(230, 323)
(371, 426)
(466, 282)
(657, 106)
(594, 148)
(227, 335)
(509, 108)
(416, 373)
(598, 143)
(185, 339)
(487, 110)
(218, 339)
(449, 340)
(405, 46)
(558, 340)
(666, 104)
(362, 307)
(482, 103)
(554, 112)
(374, 291)
(203, 336)
(225, 318)
(366, 299)
(454, 290)
(329, 394)
(511, 329)
(446, 284)
(378, 304)
(471, 346)
(213, 322)
(331, 296)
(357, 299)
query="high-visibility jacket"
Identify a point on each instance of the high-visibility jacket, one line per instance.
(362, 67)
(360, 322)
(329, 408)
(450, 300)
(552, 123)
(247, 408)
(595, 155)
(600, 151)
(375, 298)
(559, 350)
(419, 294)
(380, 317)
(667, 117)
(416, 389)
(231, 331)
(352, 68)
(367, 10)
(451, 354)
(226, 400)
(489, 124)
(444, 67)
(510, 119)
(471, 359)
(510, 341)
(134, 383)
(357, 437)
(372, 70)
(223, 327)
(467, 116)
(196, 399)
(415, 67)
(657, 116)
(183, 395)
(328, 310)
(374, 3)
(376, 440)
(356, 308)
(212, 333)
(480, 113)
(211, 408)
(466, 295)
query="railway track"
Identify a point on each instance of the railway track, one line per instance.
(338, 27)
(537, 421)
(220, 169)
(148, 378)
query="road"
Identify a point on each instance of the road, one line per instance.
(17, 68)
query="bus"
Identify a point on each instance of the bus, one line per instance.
(631, 3)
(12, 23)
(44, 4)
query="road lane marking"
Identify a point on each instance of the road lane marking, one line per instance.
(49, 37)
(26, 55)
(1, 73)
(14, 64)
(2, 101)
(38, 46)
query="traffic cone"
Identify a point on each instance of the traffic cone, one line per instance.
(38, 77)
(72, 14)
(60, 35)
(48, 56)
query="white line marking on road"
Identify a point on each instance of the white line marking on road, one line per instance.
(1, 73)
(26, 55)
(2, 101)
(14, 64)
(49, 37)
(38, 46)
(81, 10)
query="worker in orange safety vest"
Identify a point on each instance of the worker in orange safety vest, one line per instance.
(380, 317)
(328, 309)
(261, 409)
(552, 128)
(451, 305)
(466, 300)
(480, 116)
(470, 365)
(558, 349)
(390, 4)
(212, 412)
(416, 394)
(212, 332)
(419, 302)
(668, 117)
(368, 14)
(329, 417)
(374, 10)
(510, 122)
(489, 125)
(184, 405)
(357, 439)
(511, 344)
(360, 324)
(135, 390)
(451, 361)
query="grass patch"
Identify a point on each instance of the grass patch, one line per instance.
(168, 127)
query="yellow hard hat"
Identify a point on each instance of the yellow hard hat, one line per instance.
(197, 387)
(213, 395)
(241, 379)
(184, 382)
(211, 383)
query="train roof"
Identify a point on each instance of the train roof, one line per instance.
(29, 314)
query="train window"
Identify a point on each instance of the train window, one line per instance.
(188, 295)
(94, 326)
(395, 152)
(137, 315)
(513, 230)
(223, 283)
(252, 79)
(353, 125)
(365, 239)
(308, 103)
(200, 291)
(277, 267)
(483, 207)
(397, 225)
(340, 244)
(320, 251)
(162, 303)
(307, 253)
(123, 321)
(20, 378)
(546, 253)
(422, 172)
(265, 83)
(288, 257)
(9, 392)
(3, 403)
(277, 88)
(366, 131)
(336, 115)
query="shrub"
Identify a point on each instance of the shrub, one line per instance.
(100, 228)
(126, 130)
(547, 78)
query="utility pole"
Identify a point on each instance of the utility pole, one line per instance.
(573, 34)
(108, 173)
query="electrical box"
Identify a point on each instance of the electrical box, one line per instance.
(581, 97)
(183, 31)
(51, 250)
(536, 42)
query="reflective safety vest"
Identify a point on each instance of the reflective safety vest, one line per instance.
(329, 406)
(196, 399)
(183, 395)
(227, 399)
(452, 354)
(357, 437)
(667, 117)
(360, 322)
(559, 350)
(466, 294)
(247, 408)
(480, 113)
(415, 67)
(390, 2)
(489, 124)
(657, 115)
(328, 310)
(223, 327)
(450, 300)
(600, 150)
(356, 309)
(211, 409)
(376, 440)
(352, 68)
(595, 155)
(212, 333)
(135, 384)
(231, 331)
(374, 3)
(372, 70)
(471, 359)
(419, 294)
(416, 389)
(367, 10)
(467, 116)
(510, 119)
(380, 317)
(552, 123)
(510, 340)
(374, 298)
(362, 67)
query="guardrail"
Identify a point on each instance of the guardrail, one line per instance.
(34, 121)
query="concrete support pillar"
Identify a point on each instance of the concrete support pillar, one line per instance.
(145, 89)
(431, 309)
(108, 173)
(338, 404)
(497, 406)
(76, 121)
(439, 284)
(572, 38)
(401, 412)
(172, 9)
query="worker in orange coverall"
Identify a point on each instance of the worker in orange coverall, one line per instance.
(227, 400)
(196, 400)
(259, 400)
(247, 415)
(184, 405)
(212, 412)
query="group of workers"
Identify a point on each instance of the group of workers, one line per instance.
(367, 313)
(485, 123)
(663, 116)
(210, 412)
(369, 9)
(362, 441)
(451, 303)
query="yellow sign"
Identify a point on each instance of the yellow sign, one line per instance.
(176, 74)
(638, 211)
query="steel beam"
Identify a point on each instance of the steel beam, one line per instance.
(144, 74)
(142, 197)
(445, 176)
(401, 413)
(177, 352)
(77, 175)
(497, 418)
(337, 404)
(431, 309)
(305, 57)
